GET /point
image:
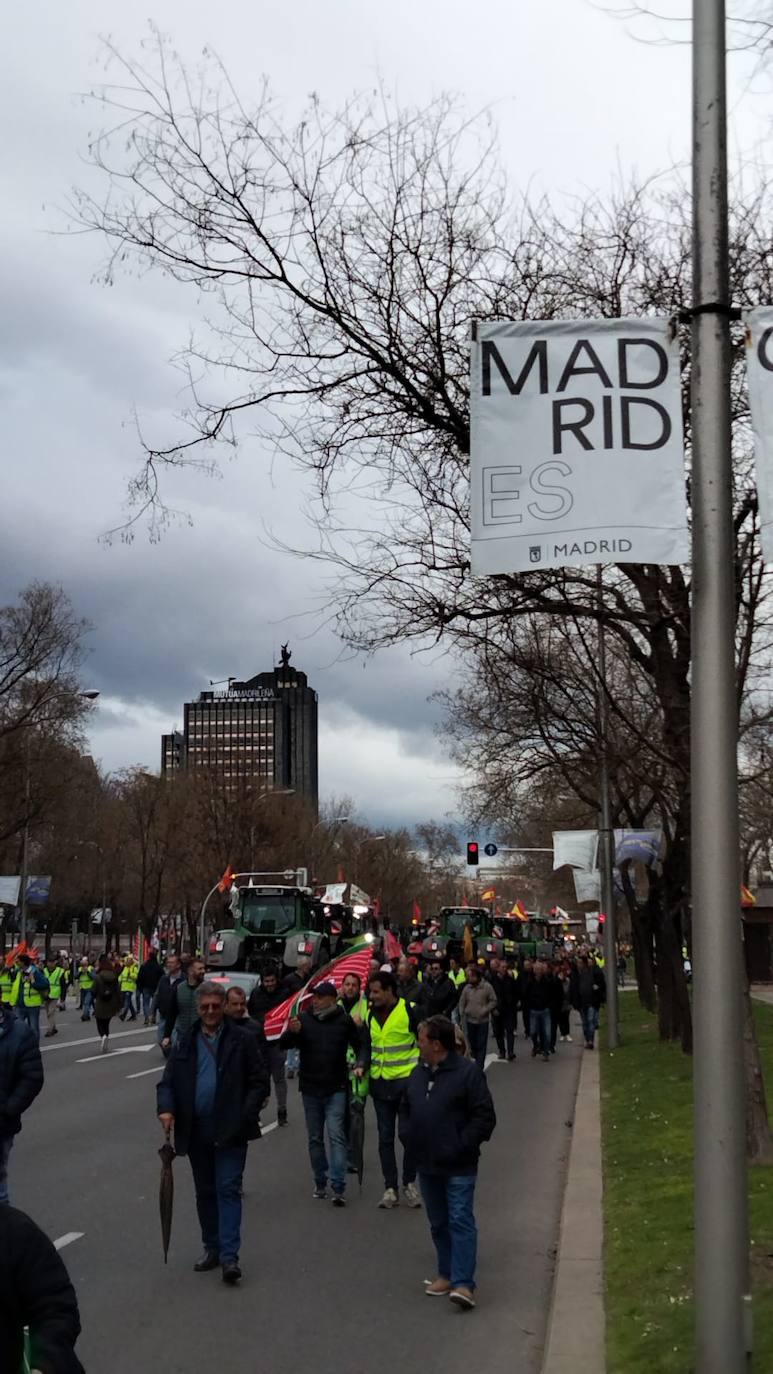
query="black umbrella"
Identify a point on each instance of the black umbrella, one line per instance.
(166, 1193)
(357, 1102)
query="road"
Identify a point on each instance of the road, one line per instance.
(336, 1290)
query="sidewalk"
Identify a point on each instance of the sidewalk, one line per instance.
(576, 1327)
(762, 992)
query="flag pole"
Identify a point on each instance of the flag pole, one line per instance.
(721, 1220)
(605, 825)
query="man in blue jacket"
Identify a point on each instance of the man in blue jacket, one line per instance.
(21, 1078)
(446, 1114)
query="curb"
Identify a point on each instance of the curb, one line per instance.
(576, 1323)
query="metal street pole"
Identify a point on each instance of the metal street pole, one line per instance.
(25, 843)
(606, 855)
(721, 1221)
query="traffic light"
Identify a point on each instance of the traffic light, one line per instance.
(473, 854)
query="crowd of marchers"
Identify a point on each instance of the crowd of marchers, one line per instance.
(414, 1041)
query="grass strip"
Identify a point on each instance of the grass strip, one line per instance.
(646, 1127)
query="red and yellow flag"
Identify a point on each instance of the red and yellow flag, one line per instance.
(226, 880)
(747, 898)
(489, 894)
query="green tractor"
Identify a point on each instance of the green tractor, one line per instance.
(447, 940)
(525, 939)
(272, 924)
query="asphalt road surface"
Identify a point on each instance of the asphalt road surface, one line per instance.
(336, 1290)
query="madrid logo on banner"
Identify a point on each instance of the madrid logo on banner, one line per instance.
(759, 371)
(576, 445)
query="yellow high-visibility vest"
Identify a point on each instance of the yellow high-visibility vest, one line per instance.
(394, 1047)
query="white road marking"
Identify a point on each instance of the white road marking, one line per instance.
(272, 1125)
(94, 1040)
(112, 1054)
(156, 1069)
(491, 1059)
(68, 1239)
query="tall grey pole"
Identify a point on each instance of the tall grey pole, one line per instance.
(25, 844)
(721, 1223)
(605, 828)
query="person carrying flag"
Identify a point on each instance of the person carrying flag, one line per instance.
(324, 1036)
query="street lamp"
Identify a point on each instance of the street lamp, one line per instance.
(336, 821)
(369, 839)
(90, 695)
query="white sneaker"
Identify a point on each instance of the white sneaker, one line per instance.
(104, 1045)
(411, 1195)
(568, 1039)
(390, 1199)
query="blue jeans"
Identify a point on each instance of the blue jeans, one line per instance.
(451, 1221)
(293, 1061)
(477, 1036)
(217, 1178)
(147, 1002)
(590, 1023)
(387, 1109)
(6, 1142)
(128, 1006)
(32, 1016)
(539, 1024)
(327, 1112)
(87, 1002)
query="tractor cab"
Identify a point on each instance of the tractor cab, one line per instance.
(447, 940)
(272, 923)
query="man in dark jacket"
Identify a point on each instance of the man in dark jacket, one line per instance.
(504, 1018)
(269, 994)
(440, 993)
(587, 994)
(162, 1001)
(538, 995)
(211, 1093)
(35, 1291)
(183, 1004)
(408, 985)
(323, 1036)
(21, 1078)
(148, 979)
(445, 1115)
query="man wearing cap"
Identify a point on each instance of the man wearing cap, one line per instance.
(323, 1036)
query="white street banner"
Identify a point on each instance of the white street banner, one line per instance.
(9, 890)
(759, 371)
(587, 886)
(576, 847)
(576, 445)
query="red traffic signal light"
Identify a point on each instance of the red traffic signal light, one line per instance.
(602, 918)
(473, 853)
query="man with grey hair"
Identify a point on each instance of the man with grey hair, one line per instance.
(211, 1093)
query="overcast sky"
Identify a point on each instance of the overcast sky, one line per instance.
(579, 100)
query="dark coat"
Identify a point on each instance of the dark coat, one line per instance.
(323, 1043)
(107, 995)
(35, 1291)
(412, 992)
(446, 1115)
(260, 1002)
(21, 1072)
(163, 998)
(598, 992)
(242, 1086)
(149, 976)
(538, 994)
(506, 989)
(441, 997)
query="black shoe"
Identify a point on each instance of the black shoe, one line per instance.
(546, 1058)
(281, 1118)
(533, 1053)
(352, 1169)
(231, 1273)
(208, 1260)
(510, 1058)
(339, 1201)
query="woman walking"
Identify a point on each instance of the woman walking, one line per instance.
(107, 999)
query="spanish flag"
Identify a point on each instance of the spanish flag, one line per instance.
(747, 898)
(226, 880)
(519, 910)
(489, 894)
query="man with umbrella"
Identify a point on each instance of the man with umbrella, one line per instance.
(211, 1093)
(323, 1036)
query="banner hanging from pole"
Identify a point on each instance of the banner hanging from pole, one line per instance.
(759, 371)
(576, 445)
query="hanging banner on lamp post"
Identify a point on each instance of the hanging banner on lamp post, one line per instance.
(576, 445)
(759, 371)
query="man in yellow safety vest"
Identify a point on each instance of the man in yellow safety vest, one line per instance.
(86, 987)
(127, 986)
(393, 1026)
(30, 987)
